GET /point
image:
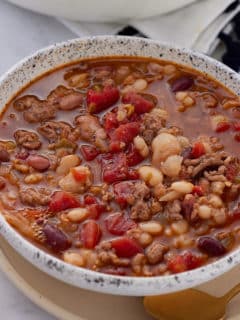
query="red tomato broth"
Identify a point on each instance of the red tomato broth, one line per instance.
(187, 120)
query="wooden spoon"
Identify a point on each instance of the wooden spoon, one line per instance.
(189, 304)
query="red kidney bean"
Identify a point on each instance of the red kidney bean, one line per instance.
(4, 155)
(38, 163)
(182, 83)
(55, 238)
(211, 246)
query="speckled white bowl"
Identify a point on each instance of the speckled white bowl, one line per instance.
(59, 54)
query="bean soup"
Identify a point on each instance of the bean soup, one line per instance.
(126, 166)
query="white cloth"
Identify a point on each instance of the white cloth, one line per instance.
(186, 27)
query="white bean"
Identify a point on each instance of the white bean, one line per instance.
(140, 85)
(141, 146)
(182, 186)
(68, 162)
(153, 227)
(170, 196)
(172, 166)
(150, 175)
(184, 142)
(71, 184)
(169, 69)
(73, 258)
(180, 227)
(145, 239)
(215, 201)
(77, 214)
(163, 146)
(204, 212)
(217, 187)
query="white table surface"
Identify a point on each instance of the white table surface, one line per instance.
(21, 33)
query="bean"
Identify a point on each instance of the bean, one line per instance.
(74, 258)
(38, 163)
(77, 214)
(55, 238)
(204, 212)
(180, 227)
(172, 166)
(152, 227)
(67, 162)
(211, 246)
(182, 186)
(4, 155)
(182, 83)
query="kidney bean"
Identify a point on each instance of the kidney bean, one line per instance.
(4, 155)
(211, 246)
(182, 83)
(38, 163)
(55, 238)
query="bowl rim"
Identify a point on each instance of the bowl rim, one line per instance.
(106, 283)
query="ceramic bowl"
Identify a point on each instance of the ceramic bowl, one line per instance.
(104, 10)
(54, 56)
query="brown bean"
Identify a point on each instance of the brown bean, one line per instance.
(55, 238)
(4, 155)
(182, 84)
(38, 163)
(211, 246)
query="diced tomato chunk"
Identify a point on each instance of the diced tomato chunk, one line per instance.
(62, 200)
(98, 101)
(223, 126)
(110, 122)
(236, 125)
(89, 199)
(198, 150)
(176, 264)
(115, 169)
(237, 137)
(123, 193)
(89, 152)
(234, 215)
(79, 175)
(118, 224)
(198, 191)
(187, 261)
(126, 247)
(123, 135)
(133, 156)
(133, 174)
(141, 104)
(90, 234)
